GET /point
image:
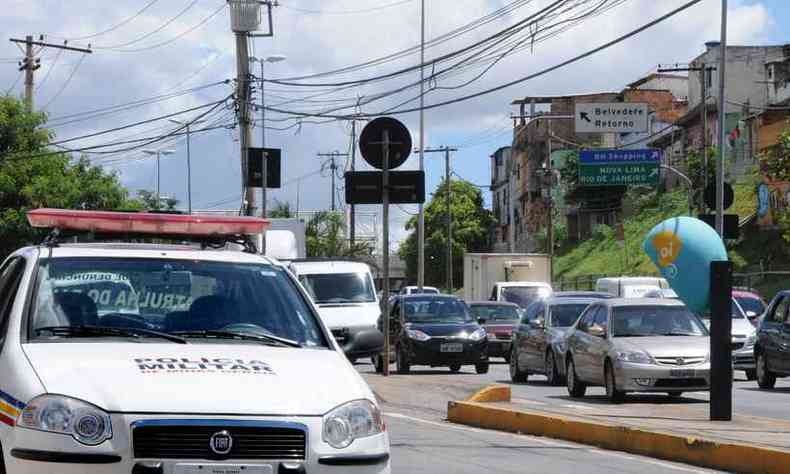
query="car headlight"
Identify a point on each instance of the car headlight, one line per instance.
(417, 335)
(634, 357)
(477, 335)
(750, 341)
(354, 420)
(86, 423)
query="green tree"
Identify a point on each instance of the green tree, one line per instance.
(326, 237)
(776, 166)
(472, 225)
(149, 202)
(281, 210)
(32, 176)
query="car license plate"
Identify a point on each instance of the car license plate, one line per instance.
(681, 373)
(451, 347)
(221, 469)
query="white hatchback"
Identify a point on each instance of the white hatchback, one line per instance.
(172, 359)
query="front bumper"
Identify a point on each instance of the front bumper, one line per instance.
(35, 452)
(499, 347)
(659, 378)
(743, 359)
(345, 337)
(429, 352)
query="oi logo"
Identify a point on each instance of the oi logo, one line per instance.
(668, 247)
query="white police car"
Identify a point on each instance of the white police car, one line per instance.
(172, 359)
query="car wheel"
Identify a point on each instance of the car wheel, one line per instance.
(751, 374)
(516, 375)
(552, 373)
(481, 368)
(401, 362)
(614, 395)
(455, 368)
(378, 363)
(576, 388)
(765, 379)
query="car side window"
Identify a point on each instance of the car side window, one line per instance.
(588, 318)
(493, 294)
(601, 317)
(779, 313)
(10, 277)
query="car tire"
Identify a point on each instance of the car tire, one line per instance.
(751, 374)
(516, 374)
(378, 363)
(552, 372)
(481, 368)
(401, 362)
(614, 395)
(455, 368)
(765, 379)
(2, 461)
(576, 388)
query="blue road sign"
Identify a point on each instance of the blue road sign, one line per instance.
(607, 157)
(619, 167)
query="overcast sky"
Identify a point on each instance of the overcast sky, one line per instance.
(138, 59)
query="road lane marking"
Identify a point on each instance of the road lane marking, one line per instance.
(548, 442)
(578, 407)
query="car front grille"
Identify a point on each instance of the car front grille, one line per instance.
(680, 383)
(736, 345)
(193, 442)
(680, 361)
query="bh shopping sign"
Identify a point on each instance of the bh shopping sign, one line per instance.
(619, 167)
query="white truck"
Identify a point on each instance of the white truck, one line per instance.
(515, 277)
(285, 240)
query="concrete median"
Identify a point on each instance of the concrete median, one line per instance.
(491, 408)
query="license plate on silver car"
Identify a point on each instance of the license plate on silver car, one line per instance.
(221, 469)
(682, 373)
(451, 347)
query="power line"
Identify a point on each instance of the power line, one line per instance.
(15, 83)
(116, 26)
(58, 54)
(156, 30)
(65, 84)
(346, 12)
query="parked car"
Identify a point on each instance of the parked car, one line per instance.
(539, 341)
(772, 348)
(742, 341)
(638, 345)
(599, 295)
(437, 331)
(345, 295)
(751, 303)
(498, 318)
(414, 290)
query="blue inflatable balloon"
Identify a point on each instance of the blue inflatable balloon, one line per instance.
(683, 248)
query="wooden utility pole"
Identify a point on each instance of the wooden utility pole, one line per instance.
(30, 64)
(449, 217)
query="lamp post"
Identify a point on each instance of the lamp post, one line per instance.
(158, 154)
(275, 58)
(189, 160)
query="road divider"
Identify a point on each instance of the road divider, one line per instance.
(490, 409)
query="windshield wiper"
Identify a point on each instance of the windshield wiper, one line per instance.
(632, 335)
(268, 338)
(679, 334)
(101, 331)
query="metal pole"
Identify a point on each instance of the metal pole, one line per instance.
(158, 200)
(332, 170)
(550, 228)
(189, 173)
(385, 251)
(722, 122)
(245, 132)
(449, 221)
(30, 67)
(352, 218)
(704, 140)
(421, 208)
(264, 165)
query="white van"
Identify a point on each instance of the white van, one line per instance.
(630, 287)
(345, 295)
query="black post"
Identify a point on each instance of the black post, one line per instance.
(720, 341)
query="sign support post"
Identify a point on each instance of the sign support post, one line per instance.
(720, 340)
(385, 151)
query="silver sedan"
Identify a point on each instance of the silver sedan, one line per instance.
(637, 345)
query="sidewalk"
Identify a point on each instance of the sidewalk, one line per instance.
(676, 432)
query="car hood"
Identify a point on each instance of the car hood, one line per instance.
(198, 378)
(345, 315)
(445, 330)
(742, 328)
(666, 346)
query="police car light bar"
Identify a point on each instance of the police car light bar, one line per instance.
(145, 223)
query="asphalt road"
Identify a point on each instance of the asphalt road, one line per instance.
(422, 442)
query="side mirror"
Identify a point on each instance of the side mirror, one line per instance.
(538, 323)
(597, 331)
(364, 343)
(481, 320)
(751, 314)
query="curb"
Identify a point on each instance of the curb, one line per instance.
(492, 393)
(690, 450)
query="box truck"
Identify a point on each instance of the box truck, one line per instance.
(516, 277)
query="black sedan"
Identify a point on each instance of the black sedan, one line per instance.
(437, 331)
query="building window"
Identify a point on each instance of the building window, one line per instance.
(708, 78)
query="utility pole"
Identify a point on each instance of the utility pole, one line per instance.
(245, 129)
(30, 64)
(449, 216)
(352, 218)
(722, 122)
(332, 167)
(421, 207)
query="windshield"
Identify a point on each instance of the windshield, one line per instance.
(327, 288)
(751, 304)
(436, 310)
(493, 313)
(640, 321)
(170, 296)
(564, 315)
(523, 295)
(735, 313)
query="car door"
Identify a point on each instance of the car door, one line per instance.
(10, 277)
(521, 335)
(784, 336)
(771, 332)
(532, 352)
(581, 343)
(599, 346)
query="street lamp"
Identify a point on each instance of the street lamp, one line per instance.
(158, 154)
(189, 160)
(275, 58)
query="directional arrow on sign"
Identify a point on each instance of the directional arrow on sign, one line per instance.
(586, 117)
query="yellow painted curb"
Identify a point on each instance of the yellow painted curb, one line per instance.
(492, 393)
(716, 455)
